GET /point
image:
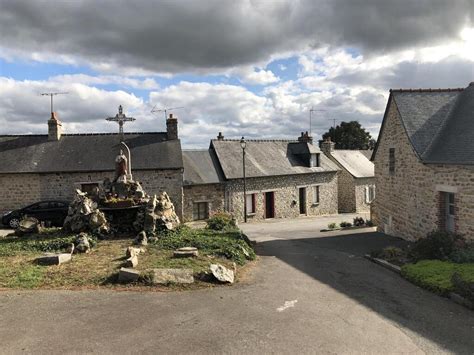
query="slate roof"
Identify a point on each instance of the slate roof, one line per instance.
(355, 162)
(201, 167)
(439, 123)
(86, 152)
(265, 158)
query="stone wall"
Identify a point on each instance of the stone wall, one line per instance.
(19, 190)
(286, 195)
(213, 194)
(360, 186)
(351, 191)
(407, 202)
(346, 191)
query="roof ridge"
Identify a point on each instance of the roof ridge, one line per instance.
(79, 134)
(427, 90)
(255, 140)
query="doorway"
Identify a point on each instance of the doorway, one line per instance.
(270, 204)
(302, 192)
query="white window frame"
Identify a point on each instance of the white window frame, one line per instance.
(316, 194)
(251, 202)
(315, 160)
(369, 193)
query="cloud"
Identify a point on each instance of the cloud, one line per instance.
(127, 82)
(144, 37)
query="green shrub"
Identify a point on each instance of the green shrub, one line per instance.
(49, 242)
(345, 224)
(369, 223)
(221, 221)
(437, 245)
(391, 253)
(332, 225)
(359, 222)
(465, 255)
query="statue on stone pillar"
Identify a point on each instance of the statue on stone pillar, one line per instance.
(121, 168)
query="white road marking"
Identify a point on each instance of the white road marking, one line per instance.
(287, 304)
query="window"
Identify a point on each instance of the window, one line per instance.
(315, 160)
(369, 193)
(250, 203)
(391, 161)
(315, 195)
(200, 210)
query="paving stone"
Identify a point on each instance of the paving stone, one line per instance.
(128, 275)
(166, 276)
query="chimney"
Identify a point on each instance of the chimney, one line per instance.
(172, 127)
(54, 128)
(220, 137)
(327, 146)
(305, 138)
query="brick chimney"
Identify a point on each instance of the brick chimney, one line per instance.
(55, 128)
(305, 138)
(172, 127)
(220, 137)
(327, 146)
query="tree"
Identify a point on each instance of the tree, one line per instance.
(350, 135)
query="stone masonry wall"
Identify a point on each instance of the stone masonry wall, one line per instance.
(407, 202)
(19, 190)
(286, 195)
(346, 191)
(351, 191)
(360, 186)
(211, 193)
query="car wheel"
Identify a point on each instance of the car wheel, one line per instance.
(14, 223)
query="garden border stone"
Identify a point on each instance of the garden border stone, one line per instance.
(454, 297)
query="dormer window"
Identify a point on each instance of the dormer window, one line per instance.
(314, 162)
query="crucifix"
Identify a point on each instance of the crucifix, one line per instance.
(120, 118)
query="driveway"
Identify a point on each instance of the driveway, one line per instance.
(311, 292)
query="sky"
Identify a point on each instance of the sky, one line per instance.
(243, 68)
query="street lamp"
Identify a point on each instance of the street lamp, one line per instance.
(243, 144)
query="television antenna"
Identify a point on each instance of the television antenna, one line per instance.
(311, 110)
(165, 110)
(51, 94)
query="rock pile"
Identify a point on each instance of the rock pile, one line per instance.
(159, 214)
(83, 216)
(28, 225)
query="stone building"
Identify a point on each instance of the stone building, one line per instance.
(284, 179)
(424, 163)
(355, 181)
(203, 187)
(53, 165)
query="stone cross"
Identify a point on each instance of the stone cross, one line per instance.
(120, 118)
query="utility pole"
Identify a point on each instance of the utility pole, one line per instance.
(51, 94)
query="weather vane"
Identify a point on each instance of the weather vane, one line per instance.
(120, 118)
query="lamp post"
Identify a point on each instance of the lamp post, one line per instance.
(243, 144)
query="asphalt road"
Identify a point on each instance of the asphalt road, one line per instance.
(310, 293)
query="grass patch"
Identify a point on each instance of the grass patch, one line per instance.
(100, 267)
(436, 275)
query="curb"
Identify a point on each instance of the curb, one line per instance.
(454, 297)
(384, 263)
(347, 228)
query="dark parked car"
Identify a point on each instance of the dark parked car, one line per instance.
(51, 212)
